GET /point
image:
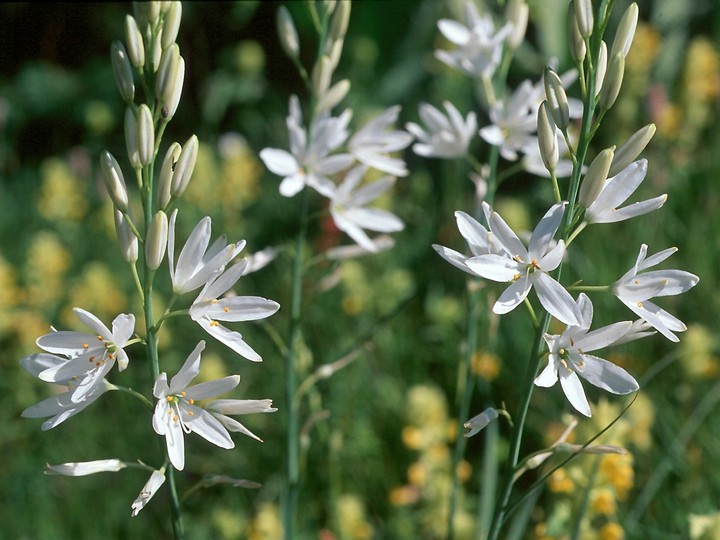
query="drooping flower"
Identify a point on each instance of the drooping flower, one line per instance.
(310, 160)
(528, 267)
(568, 359)
(209, 308)
(478, 45)
(446, 136)
(372, 143)
(157, 479)
(84, 468)
(347, 207)
(196, 263)
(91, 356)
(636, 288)
(616, 190)
(176, 411)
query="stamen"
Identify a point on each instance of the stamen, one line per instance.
(99, 363)
(183, 393)
(214, 323)
(191, 413)
(637, 282)
(191, 401)
(581, 364)
(169, 400)
(572, 342)
(91, 359)
(226, 309)
(100, 338)
(175, 418)
(516, 277)
(85, 345)
(534, 264)
(639, 304)
(562, 351)
(214, 301)
(111, 356)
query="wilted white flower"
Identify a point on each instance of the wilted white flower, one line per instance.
(157, 479)
(568, 359)
(83, 468)
(446, 136)
(372, 143)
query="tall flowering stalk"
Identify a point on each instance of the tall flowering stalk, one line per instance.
(149, 73)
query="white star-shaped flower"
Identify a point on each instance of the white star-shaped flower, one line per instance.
(528, 267)
(444, 136)
(568, 359)
(372, 143)
(635, 289)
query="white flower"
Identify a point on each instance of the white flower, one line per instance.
(196, 263)
(513, 122)
(382, 242)
(479, 240)
(220, 408)
(635, 290)
(568, 359)
(309, 161)
(616, 190)
(371, 143)
(208, 308)
(527, 267)
(91, 356)
(347, 207)
(446, 136)
(157, 479)
(83, 468)
(478, 46)
(176, 412)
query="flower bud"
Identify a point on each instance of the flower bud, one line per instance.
(332, 97)
(516, 13)
(601, 68)
(153, 11)
(631, 149)
(167, 73)
(557, 99)
(145, 135)
(123, 71)
(625, 32)
(171, 24)
(128, 240)
(334, 51)
(157, 51)
(184, 168)
(595, 177)
(321, 76)
(156, 240)
(584, 17)
(114, 180)
(575, 39)
(166, 175)
(170, 106)
(83, 468)
(131, 140)
(613, 81)
(287, 32)
(136, 49)
(547, 138)
(340, 20)
(479, 422)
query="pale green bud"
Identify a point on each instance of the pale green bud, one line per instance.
(547, 138)
(123, 71)
(330, 6)
(557, 99)
(136, 48)
(168, 110)
(287, 33)
(479, 422)
(167, 73)
(157, 51)
(131, 138)
(153, 10)
(332, 97)
(166, 174)
(595, 177)
(631, 149)
(601, 68)
(321, 76)
(156, 240)
(613, 81)
(625, 32)
(575, 39)
(128, 240)
(114, 180)
(516, 13)
(334, 51)
(340, 21)
(145, 135)
(171, 24)
(584, 17)
(184, 168)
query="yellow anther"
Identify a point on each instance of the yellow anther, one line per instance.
(74, 377)
(564, 364)
(637, 282)
(169, 399)
(111, 356)
(572, 342)
(516, 277)
(226, 309)
(562, 351)
(100, 338)
(191, 401)
(91, 359)
(534, 264)
(183, 393)
(108, 345)
(175, 418)
(639, 304)
(214, 301)
(214, 323)
(99, 363)
(85, 345)
(191, 413)
(581, 364)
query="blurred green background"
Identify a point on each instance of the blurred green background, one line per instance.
(378, 465)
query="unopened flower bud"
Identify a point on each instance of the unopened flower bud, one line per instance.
(332, 97)
(479, 422)
(321, 76)
(184, 168)
(170, 106)
(547, 138)
(625, 32)
(613, 81)
(157, 51)
(153, 11)
(136, 49)
(84, 468)
(575, 39)
(156, 240)
(340, 20)
(595, 177)
(171, 24)
(145, 135)
(584, 17)
(128, 240)
(287, 32)
(557, 99)
(114, 180)
(123, 71)
(334, 50)
(167, 73)
(631, 149)
(516, 13)
(166, 174)
(131, 140)
(601, 68)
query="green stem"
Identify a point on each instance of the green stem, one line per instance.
(293, 473)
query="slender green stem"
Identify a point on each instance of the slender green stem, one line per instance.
(556, 187)
(136, 394)
(293, 431)
(588, 288)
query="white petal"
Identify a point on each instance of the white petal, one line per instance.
(572, 387)
(545, 230)
(157, 479)
(241, 406)
(492, 135)
(84, 468)
(175, 442)
(93, 322)
(292, 185)
(206, 425)
(123, 327)
(608, 376)
(241, 308)
(474, 233)
(512, 296)
(602, 337)
(188, 371)
(234, 340)
(507, 238)
(548, 377)
(636, 209)
(453, 257)
(39, 362)
(375, 219)
(192, 252)
(66, 343)
(233, 425)
(494, 267)
(553, 258)
(556, 300)
(280, 162)
(454, 31)
(619, 188)
(210, 389)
